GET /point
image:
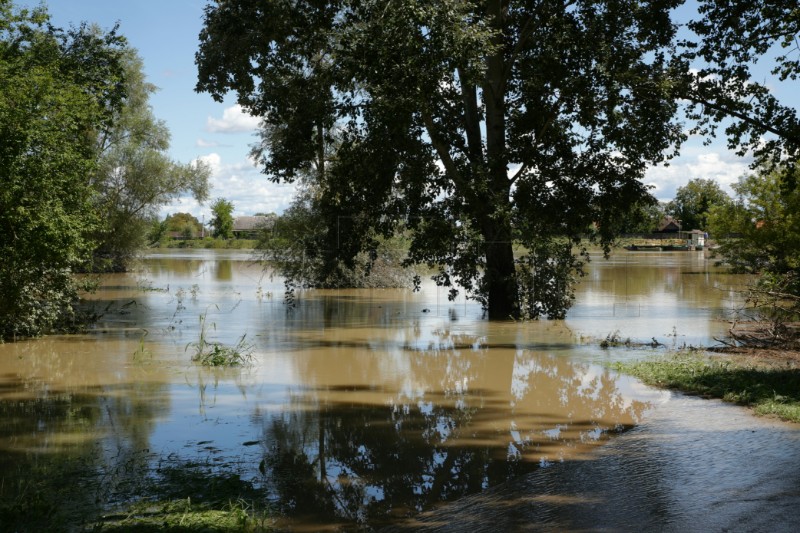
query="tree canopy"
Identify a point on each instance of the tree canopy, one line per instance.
(693, 203)
(135, 175)
(475, 124)
(57, 90)
(222, 218)
(759, 232)
(729, 40)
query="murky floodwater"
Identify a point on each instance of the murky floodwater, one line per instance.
(375, 407)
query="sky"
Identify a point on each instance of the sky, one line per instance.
(165, 33)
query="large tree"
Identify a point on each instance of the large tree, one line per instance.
(693, 203)
(759, 233)
(478, 124)
(58, 89)
(135, 175)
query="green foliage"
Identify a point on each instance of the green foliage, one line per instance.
(300, 248)
(476, 126)
(768, 390)
(759, 232)
(57, 89)
(693, 203)
(643, 216)
(222, 219)
(730, 38)
(135, 175)
(210, 353)
(184, 224)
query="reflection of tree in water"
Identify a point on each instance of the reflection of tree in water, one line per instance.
(223, 270)
(68, 453)
(170, 266)
(697, 284)
(460, 417)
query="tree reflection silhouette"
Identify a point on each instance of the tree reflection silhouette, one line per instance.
(382, 434)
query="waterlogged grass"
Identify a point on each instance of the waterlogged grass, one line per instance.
(60, 494)
(188, 497)
(210, 353)
(210, 243)
(768, 390)
(188, 516)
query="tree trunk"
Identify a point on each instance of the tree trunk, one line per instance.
(501, 281)
(500, 276)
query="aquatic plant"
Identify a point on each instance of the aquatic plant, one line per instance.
(142, 352)
(210, 353)
(614, 339)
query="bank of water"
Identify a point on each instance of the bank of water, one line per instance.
(361, 408)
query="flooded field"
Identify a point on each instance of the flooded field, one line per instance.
(370, 408)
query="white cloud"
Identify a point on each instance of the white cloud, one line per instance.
(234, 120)
(240, 183)
(725, 168)
(203, 143)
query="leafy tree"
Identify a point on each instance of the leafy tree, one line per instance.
(694, 201)
(645, 217)
(136, 175)
(184, 223)
(296, 246)
(759, 233)
(478, 125)
(57, 89)
(730, 39)
(222, 218)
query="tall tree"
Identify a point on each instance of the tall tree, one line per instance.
(479, 124)
(730, 39)
(222, 218)
(57, 90)
(759, 233)
(693, 203)
(135, 175)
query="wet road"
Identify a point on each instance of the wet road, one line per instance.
(692, 465)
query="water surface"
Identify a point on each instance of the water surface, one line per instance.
(361, 408)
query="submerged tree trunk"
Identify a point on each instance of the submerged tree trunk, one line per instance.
(500, 281)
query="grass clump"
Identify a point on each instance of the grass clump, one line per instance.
(614, 339)
(186, 515)
(188, 497)
(210, 353)
(768, 390)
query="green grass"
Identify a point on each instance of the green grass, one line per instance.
(209, 353)
(186, 515)
(187, 497)
(769, 391)
(210, 242)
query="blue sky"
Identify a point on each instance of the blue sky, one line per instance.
(165, 32)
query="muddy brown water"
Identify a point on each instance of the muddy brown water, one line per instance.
(392, 409)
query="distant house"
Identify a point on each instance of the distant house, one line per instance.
(248, 227)
(668, 225)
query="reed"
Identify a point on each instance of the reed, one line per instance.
(211, 353)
